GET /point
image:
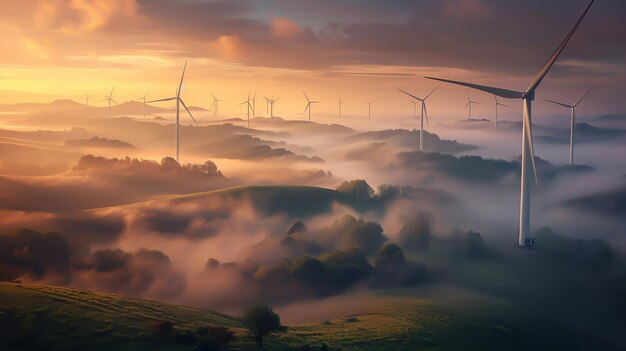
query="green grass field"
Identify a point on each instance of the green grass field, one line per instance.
(441, 319)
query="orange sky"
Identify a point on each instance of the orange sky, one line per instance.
(66, 48)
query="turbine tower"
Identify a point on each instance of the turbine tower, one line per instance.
(369, 110)
(572, 122)
(86, 99)
(248, 107)
(423, 113)
(340, 103)
(308, 105)
(495, 107)
(179, 101)
(254, 105)
(143, 108)
(469, 104)
(109, 99)
(528, 154)
(214, 106)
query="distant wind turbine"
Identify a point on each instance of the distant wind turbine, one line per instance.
(215, 105)
(495, 107)
(369, 110)
(254, 105)
(179, 101)
(414, 107)
(271, 103)
(86, 99)
(572, 122)
(469, 104)
(308, 105)
(528, 153)
(109, 99)
(424, 113)
(340, 103)
(248, 107)
(143, 108)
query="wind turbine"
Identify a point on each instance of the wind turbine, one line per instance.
(178, 102)
(109, 99)
(254, 105)
(248, 107)
(469, 104)
(495, 107)
(423, 113)
(572, 122)
(528, 153)
(215, 105)
(308, 105)
(271, 105)
(340, 103)
(414, 107)
(86, 99)
(369, 110)
(143, 109)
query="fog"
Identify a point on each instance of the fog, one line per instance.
(211, 231)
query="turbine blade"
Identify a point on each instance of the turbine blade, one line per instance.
(505, 93)
(307, 107)
(431, 93)
(529, 137)
(249, 91)
(115, 102)
(584, 96)
(426, 113)
(558, 103)
(468, 103)
(189, 112)
(180, 85)
(411, 95)
(307, 98)
(546, 67)
(159, 100)
(111, 93)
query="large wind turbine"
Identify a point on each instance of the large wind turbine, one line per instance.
(470, 102)
(528, 153)
(495, 107)
(572, 122)
(248, 107)
(215, 105)
(308, 105)
(423, 113)
(109, 99)
(143, 109)
(178, 102)
(340, 103)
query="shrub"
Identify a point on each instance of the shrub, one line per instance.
(163, 331)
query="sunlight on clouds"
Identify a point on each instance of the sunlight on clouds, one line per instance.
(229, 46)
(75, 16)
(285, 28)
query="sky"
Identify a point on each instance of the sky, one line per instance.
(361, 50)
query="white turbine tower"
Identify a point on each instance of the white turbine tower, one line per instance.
(179, 101)
(469, 105)
(143, 108)
(248, 107)
(528, 153)
(340, 103)
(572, 122)
(215, 105)
(423, 113)
(495, 107)
(308, 105)
(109, 99)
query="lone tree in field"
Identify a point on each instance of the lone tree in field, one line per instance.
(261, 320)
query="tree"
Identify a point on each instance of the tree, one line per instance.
(261, 320)
(169, 162)
(417, 232)
(357, 188)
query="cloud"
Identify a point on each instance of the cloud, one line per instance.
(285, 28)
(75, 16)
